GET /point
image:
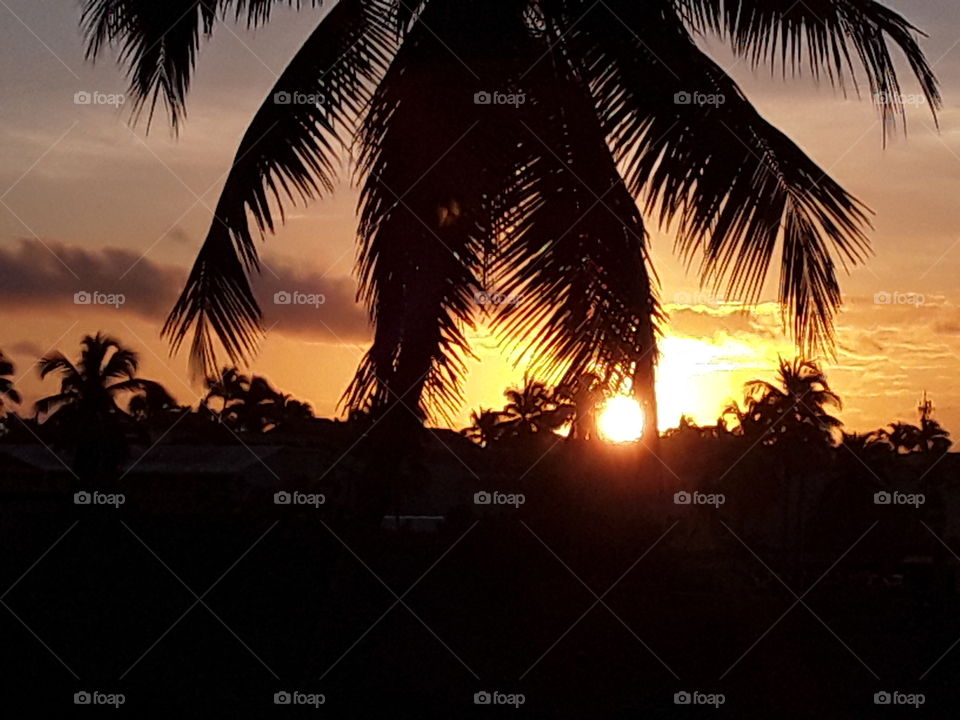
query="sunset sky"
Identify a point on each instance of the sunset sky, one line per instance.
(90, 202)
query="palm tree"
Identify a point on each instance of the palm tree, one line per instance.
(251, 404)
(525, 408)
(8, 393)
(792, 415)
(486, 427)
(903, 438)
(86, 411)
(607, 105)
(796, 410)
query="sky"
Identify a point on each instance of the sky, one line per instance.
(92, 203)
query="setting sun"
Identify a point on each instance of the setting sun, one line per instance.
(621, 419)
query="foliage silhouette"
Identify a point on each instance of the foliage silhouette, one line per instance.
(528, 197)
(86, 413)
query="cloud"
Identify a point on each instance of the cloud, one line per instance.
(26, 348)
(48, 276)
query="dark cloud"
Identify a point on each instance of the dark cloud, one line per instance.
(25, 348)
(308, 303)
(48, 276)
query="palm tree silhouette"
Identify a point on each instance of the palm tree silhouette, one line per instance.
(86, 413)
(612, 103)
(796, 410)
(903, 438)
(486, 426)
(792, 415)
(251, 404)
(8, 393)
(526, 408)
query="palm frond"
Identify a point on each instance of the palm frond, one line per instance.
(122, 364)
(738, 189)
(830, 37)
(57, 362)
(289, 152)
(574, 253)
(425, 208)
(157, 42)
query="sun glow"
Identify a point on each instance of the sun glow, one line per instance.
(621, 419)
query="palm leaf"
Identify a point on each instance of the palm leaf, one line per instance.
(826, 35)
(425, 208)
(574, 254)
(736, 187)
(289, 151)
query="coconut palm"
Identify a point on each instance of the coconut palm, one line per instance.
(87, 412)
(505, 147)
(525, 408)
(486, 426)
(251, 404)
(8, 393)
(796, 409)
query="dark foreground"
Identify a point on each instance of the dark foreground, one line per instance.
(582, 603)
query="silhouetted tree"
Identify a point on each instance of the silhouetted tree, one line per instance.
(86, 413)
(795, 410)
(619, 103)
(8, 393)
(903, 438)
(486, 426)
(251, 404)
